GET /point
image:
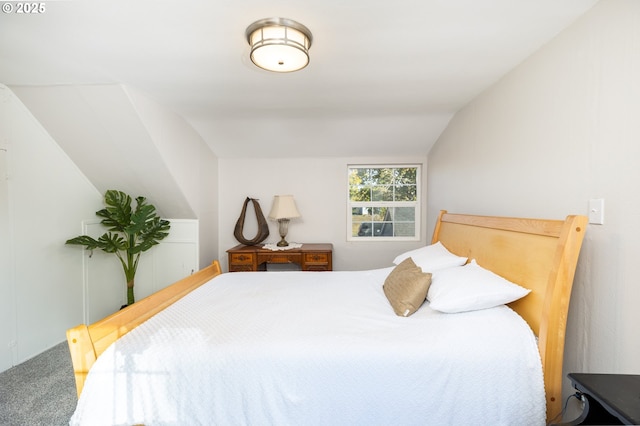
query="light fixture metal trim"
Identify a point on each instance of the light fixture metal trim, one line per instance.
(279, 44)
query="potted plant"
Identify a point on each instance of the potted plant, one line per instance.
(129, 232)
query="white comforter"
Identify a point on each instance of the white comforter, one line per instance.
(294, 348)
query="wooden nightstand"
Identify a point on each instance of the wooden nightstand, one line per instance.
(310, 257)
(609, 399)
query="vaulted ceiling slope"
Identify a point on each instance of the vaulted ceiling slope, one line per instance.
(384, 79)
(121, 140)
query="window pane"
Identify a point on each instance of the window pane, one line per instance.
(405, 175)
(361, 222)
(385, 177)
(359, 189)
(372, 176)
(382, 229)
(406, 193)
(382, 193)
(405, 229)
(360, 193)
(361, 229)
(361, 214)
(405, 214)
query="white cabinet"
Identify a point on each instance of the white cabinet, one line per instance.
(104, 285)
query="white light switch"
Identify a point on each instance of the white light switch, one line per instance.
(596, 211)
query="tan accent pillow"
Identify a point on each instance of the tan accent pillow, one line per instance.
(406, 287)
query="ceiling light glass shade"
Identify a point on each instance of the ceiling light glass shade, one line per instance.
(279, 44)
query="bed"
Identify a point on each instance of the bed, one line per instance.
(314, 348)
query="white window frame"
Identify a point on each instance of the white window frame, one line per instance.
(355, 204)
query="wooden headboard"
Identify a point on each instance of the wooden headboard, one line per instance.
(538, 254)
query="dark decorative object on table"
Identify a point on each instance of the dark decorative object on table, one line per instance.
(263, 226)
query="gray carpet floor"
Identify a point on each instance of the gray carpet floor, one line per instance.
(40, 391)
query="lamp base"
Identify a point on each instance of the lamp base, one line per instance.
(283, 227)
(282, 243)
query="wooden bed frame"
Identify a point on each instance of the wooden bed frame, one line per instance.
(538, 254)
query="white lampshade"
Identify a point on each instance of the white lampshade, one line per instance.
(279, 44)
(284, 207)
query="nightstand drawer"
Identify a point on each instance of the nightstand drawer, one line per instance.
(241, 268)
(242, 258)
(279, 257)
(316, 257)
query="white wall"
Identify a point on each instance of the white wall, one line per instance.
(46, 199)
(319, 186)
(558, 130)
(7, 293)
(191, 163)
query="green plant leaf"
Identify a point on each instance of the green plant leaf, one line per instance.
(112, 242)
(142, 218)
(84, 240)
(156, 230)
(117, 213)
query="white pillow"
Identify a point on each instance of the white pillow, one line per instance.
(431, 258)
(469, 288)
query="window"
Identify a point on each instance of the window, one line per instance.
(383, 203)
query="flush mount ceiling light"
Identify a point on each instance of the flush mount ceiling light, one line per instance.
(279, 44)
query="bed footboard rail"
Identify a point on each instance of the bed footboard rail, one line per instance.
(87, 343)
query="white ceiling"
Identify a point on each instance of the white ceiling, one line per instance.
(384, 79)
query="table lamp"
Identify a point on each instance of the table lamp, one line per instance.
(282, 210)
